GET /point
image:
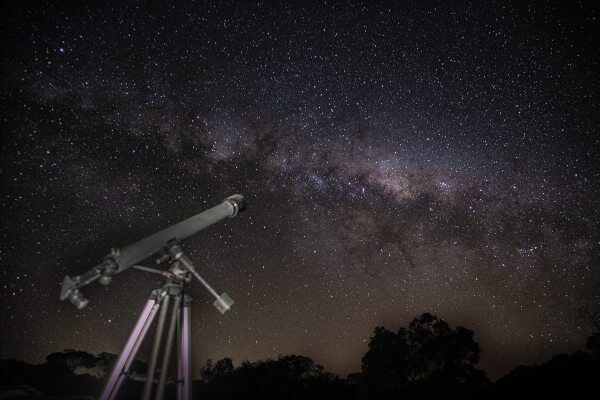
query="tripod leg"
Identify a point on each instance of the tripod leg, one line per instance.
(160, 391)
(186, 350)
(111, 384)
(135, 350)
(155, 348)
(179, 368)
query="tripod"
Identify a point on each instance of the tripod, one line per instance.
(180, 271)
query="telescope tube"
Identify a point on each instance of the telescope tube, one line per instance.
(120, 260)
(140, 250)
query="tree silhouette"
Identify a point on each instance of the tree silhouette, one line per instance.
(591, 315)
(593, 345)
(69, 360)
(289, 377)
(428, 359)
(79, 362)
(105, 363)
(219, 370)
(573, 376)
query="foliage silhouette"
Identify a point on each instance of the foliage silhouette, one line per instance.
(426, 360)
(591, 315)
(593, 345)
(289, 377)
(564, 376)
(219, 370)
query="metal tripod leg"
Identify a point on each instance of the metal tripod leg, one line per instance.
(135, 350)
(155, 348)
(179, 368)
(160, 391)
(185, 352)
(131, 347)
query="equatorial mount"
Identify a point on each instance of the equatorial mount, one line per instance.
(181, 267)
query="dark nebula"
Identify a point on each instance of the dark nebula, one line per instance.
(397, 158)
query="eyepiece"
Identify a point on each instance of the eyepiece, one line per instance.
(76, 297)
(70, 291)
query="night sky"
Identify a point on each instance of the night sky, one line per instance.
(397, 158)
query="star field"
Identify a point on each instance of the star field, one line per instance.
(397, 158)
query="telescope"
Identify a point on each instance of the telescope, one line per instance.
(118, 260)
(164, 245)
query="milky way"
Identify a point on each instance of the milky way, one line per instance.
(397, 159)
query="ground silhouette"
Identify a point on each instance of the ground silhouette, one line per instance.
(426, 360)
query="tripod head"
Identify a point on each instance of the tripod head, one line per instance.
(118, 260)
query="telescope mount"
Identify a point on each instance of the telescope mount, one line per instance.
(180, 271)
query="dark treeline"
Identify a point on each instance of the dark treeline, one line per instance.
(426, 360)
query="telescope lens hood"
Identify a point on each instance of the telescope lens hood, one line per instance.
(239, 203)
